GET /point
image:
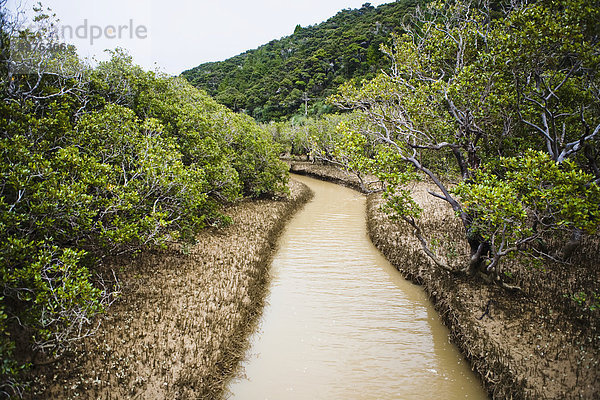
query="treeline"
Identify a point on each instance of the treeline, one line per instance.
(98, 162)
(294, 75)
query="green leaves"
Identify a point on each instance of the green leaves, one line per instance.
(549, 52)
(586, 301)
(494, 206)
(526, 197)
(562, 191)
(135, 160)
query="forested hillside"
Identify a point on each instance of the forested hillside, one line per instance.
(295, 74)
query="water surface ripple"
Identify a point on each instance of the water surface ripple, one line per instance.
(341, 323)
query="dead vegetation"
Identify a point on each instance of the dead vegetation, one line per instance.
(533, 344)
(181, 324)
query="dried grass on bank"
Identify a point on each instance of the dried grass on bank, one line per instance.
(182, 323)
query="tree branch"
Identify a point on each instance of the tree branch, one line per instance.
(425, 246)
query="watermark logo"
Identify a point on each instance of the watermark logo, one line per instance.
(92, 32)
(47, 46)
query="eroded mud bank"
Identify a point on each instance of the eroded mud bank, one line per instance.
(181, 324)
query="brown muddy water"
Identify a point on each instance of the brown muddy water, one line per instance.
(342, 323)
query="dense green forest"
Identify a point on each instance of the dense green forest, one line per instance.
(294, 75)
(99, 162)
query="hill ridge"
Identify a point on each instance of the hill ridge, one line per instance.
(294, 74)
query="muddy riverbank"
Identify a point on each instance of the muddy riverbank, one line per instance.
(181, 325)
(521, 344)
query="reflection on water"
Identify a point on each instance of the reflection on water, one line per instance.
(342, 323)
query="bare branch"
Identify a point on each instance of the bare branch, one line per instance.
(425, 246)
(574, 147)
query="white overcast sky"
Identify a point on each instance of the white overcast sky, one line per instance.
(184, 33)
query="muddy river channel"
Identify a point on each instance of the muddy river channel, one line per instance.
(342, 323)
